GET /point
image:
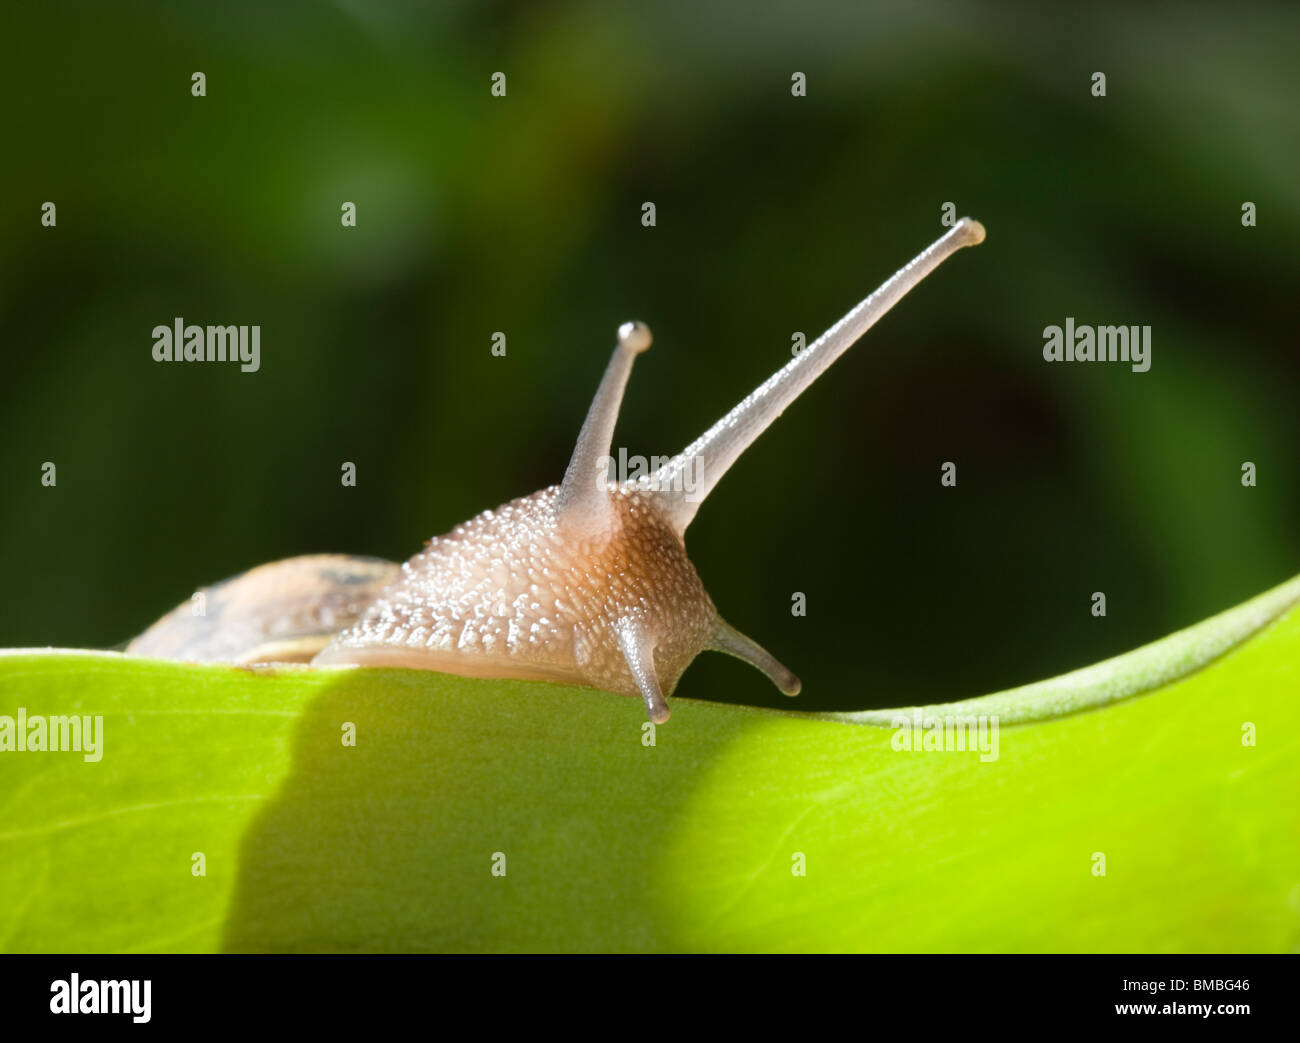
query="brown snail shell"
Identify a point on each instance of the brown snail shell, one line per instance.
(282, 612)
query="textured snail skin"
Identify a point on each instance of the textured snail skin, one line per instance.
(511, 593)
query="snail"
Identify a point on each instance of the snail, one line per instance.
(586, 582)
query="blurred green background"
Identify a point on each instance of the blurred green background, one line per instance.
(775, 214)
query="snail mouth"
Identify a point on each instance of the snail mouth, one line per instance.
(484, 666)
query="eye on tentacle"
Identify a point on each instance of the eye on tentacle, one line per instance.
(583, 505)
(712, 454)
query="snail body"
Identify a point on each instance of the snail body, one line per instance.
(586, 582)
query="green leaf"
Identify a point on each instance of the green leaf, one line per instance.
(610, 844)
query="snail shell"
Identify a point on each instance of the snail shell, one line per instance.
(283, 612)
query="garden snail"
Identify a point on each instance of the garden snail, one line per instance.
(586, 582)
